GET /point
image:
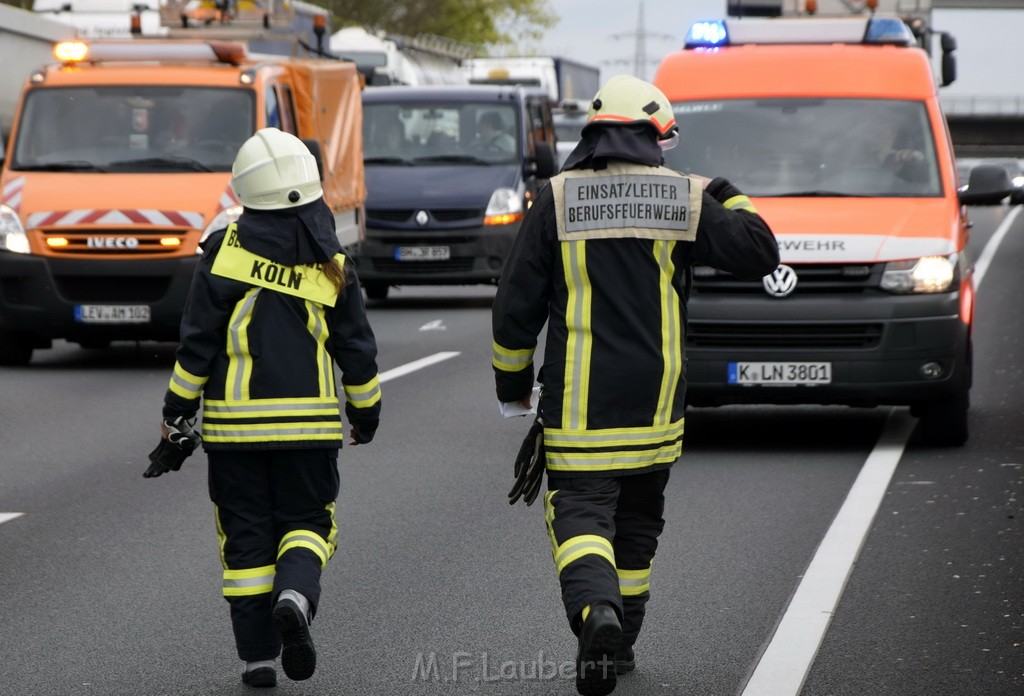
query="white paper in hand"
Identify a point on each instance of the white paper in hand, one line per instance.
(512, 409)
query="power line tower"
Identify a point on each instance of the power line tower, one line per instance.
(640, 60)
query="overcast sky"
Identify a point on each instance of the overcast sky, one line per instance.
(604, 33)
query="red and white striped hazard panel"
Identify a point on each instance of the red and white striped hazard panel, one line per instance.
(161, 218)
(11, 194)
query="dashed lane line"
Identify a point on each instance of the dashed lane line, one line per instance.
(415, 365)
(8, 516)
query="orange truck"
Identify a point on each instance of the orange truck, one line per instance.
(832, 126)
(117, 167)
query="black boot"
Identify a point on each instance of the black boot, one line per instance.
(625, 661)
(600, 639)
(260, 677)
(298, 655)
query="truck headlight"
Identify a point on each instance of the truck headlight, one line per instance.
(926, 274)
(220, 220)
(12, 233)
(504, 208)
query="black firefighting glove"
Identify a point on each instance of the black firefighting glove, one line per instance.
(529, 466)
(181, 441)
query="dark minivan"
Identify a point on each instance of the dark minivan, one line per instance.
(450, 172)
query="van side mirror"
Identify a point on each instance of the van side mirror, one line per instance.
(544, 164)
(948, 43)
(314, 148)
(988, 184)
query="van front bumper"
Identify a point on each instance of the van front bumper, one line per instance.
(40, 297)
(898, 350)
(475, 255)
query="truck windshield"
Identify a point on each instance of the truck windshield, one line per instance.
(133, 129)
(810, 147)
(428, 134)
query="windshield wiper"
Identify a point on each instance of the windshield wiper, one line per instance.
(387, 160)
(812, 194)
(175, 162)
(70, 166)
(455, 158)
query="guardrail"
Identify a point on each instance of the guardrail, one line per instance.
(984, 105)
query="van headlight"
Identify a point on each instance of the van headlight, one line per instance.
(926, 274)
(220, 221)
(504, 208)
(12, 233)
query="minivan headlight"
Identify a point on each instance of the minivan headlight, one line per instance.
(504, 208)
(923, 275)
(220, 220)
(12, 233)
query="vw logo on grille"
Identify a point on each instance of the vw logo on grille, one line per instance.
(421, 217)
(780, 282)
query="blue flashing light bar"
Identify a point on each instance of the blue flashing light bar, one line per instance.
(888, 30)
(707, 34)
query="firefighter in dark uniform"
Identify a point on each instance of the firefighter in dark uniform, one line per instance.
(604, 257)
(273, 306)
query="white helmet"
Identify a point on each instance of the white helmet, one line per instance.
(275, 170)
(626, 99)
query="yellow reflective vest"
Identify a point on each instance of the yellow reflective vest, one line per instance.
(259, 343)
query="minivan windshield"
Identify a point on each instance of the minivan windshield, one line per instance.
(133, 129)
(810, 147)
(410, 134)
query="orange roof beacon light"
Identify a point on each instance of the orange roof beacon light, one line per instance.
(811, 6)
(71, 51)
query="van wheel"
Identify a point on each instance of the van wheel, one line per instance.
(376, 289)
(15, 349)
(944, 424)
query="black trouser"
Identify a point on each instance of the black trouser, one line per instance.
(275, 523)
(604, 534)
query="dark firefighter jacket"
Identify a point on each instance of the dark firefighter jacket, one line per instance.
(261, 331)
(603, 256)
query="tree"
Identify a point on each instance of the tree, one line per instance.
(479, 23)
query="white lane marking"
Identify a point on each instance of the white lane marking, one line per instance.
(436, 325)
(786, 661)
(788, 657)
(416, 365)
(989, 252)
(8, 516)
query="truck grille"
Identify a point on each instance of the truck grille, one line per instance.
(112, 288)
(826, 278)
(440, 215)
(715, 335)
(95, 242)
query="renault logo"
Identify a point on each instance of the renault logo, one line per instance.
(780, 282)
(421, 217)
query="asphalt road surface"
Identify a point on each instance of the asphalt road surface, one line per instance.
(110, 583)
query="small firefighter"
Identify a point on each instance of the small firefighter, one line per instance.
(273, 305)
(604, 257)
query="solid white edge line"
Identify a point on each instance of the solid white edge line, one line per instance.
(786, 661)
(989, 252)
(416, 365)
(8, 516)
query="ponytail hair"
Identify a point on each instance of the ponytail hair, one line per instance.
(336, 273)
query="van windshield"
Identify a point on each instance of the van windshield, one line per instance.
(407, 134)
(133, 129)
(810, 147)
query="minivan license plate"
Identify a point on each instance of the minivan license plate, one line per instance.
(112, 314)
(423, 253)
(780, 373)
